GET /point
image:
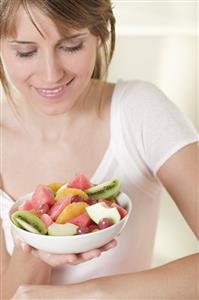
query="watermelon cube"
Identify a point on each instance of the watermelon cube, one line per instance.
(58, 207)
(82, 220)
(27, 205)
(122, 211)
(42, 195)
(80, 182)
(46, 219)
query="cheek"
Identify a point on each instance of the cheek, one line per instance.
(83, 64)
(15, 72)
(18, 76)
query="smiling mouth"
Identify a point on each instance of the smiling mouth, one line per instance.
(53, 92)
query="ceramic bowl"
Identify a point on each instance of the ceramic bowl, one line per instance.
(76, 243)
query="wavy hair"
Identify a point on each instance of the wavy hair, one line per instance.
(96, 15)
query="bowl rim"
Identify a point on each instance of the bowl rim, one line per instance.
(79, 236)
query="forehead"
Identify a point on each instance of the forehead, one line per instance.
(37, 25)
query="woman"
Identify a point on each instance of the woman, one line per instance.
(57, 113)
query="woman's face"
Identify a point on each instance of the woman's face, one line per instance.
(50, 72)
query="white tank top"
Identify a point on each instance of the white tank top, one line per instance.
(146, 129)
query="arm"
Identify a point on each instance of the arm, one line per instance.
(175, 280)
(20, 268)
(180, 176)
(33, 266)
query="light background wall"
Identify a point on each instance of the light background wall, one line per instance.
(157, 41)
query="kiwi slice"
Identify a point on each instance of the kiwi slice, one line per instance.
(28, 221)
(105, 190)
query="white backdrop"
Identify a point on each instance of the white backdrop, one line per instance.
(157, 42)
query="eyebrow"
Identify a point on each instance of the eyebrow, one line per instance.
(71, 37)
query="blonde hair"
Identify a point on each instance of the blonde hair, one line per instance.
(96, 15)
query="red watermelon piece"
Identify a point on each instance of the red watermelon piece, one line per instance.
(27, 205)
(82, 220)
(43, 195)
(46, 219)
(122, 211)
(107, 202)
(80, 182)
(58, 207)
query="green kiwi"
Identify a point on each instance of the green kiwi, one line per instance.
(105, 190)
(28, 221)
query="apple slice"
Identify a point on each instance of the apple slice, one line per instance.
(62, 229)
(100, 210)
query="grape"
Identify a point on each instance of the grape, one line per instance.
(83, 230)
(104, 223)
(91, 201)
(77, 198)
(105, 201)
(93, 228)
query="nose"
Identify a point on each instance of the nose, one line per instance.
(52, 70)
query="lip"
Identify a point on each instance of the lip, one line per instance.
(54, 93)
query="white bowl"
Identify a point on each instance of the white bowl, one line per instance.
(76, 243)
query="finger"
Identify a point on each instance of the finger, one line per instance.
(108, 246)
(83, 257)
(55, 260)
(86, 256)
(89, 255)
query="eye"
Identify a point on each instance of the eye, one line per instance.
(72, 49)
(26, 54)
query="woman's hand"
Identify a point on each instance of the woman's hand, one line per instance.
(56, 260)
(19, 243)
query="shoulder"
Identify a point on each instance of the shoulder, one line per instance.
(140, 101)
(142, 93)
(143, 105)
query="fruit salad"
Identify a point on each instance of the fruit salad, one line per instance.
(73, 208)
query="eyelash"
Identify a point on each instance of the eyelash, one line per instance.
(64, 48)
(72, 49)
(25, 54)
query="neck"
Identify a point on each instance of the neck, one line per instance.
(52, 128)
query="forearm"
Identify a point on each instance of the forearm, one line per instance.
(23, 268)
(176, 280)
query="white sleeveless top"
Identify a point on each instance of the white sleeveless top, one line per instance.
(146, 129)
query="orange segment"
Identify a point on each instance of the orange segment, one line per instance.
(66, 191)
(71, 211)
(55, 186)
